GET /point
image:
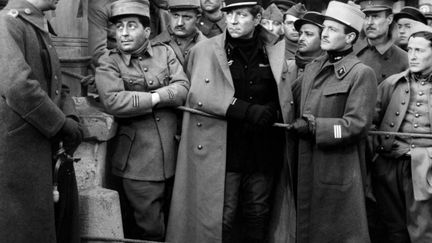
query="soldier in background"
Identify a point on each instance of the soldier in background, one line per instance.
(182, 33)
(406, 20)
(140, 83)
(212, 21)
(291, 35)
(272, 19)
(283, 5)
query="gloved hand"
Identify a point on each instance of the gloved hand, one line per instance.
(71, 134)
(261, 115)
(305, 125)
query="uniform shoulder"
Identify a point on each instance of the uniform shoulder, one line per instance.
(393, 79)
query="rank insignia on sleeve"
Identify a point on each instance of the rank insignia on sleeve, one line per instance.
(337, 129)
(13, 13)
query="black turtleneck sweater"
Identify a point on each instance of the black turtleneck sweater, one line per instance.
(250, 148)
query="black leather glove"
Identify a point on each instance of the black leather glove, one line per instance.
(305, 125)
(261, 115)
(71, 134)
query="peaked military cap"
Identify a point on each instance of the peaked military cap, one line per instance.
(184, 4)
(411, 13)
(376, 5)
(310, 17)
(272, 12)
(130, 7)
(230, 4)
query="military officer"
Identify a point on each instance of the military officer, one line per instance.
(182, 33)
(212, 21)
(377, 49)
(140, 83)
(338, 95)
(36, 113)
(406, 20)
(402, 170)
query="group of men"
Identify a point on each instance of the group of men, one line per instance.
(235, 123)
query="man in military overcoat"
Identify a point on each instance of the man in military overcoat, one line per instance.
(36, 113)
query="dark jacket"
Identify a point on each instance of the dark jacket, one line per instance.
(32, 110)
(331, 164)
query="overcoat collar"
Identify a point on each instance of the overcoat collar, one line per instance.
(31, 14)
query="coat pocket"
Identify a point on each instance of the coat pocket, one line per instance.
(336, 89)
(122, 147)
(134, 83)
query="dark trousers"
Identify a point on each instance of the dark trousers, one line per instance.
(406, 220)
(150, 202)
(251, 192)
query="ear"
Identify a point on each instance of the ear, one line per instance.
(389, 19)
(349, 38)
(147, 32)
(257, 19)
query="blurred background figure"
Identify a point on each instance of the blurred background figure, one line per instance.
(283, 5)
(212, 21)
(272, 19)
(291, 35)
(406, 19)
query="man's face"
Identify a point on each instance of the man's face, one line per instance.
(376, 24)
(404, 30)
(290, 32)
(310, 39)
(419, 55)
(183, 22)
(131, 34)
(241, 23)
(273, 26)
(211, 5)
(333, 37)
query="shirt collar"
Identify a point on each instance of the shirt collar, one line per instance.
(382, 48)
(127, 57)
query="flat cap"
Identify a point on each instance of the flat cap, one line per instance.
(229, 4)
(130, 7)
(310, 17)
(272, 12)
(376, 5)
(184, 4)
(347, 14)
(410, 13)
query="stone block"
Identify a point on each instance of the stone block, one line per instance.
(91, 170)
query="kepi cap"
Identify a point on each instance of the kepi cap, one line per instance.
(410, 13)
(310, 17)
(272, 12)
(376, 5)
(184, 4)
(347, 14)
(229, 4)
(130, 7)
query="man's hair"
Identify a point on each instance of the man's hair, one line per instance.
(255, 10)
(349, 29)
(424, 34)
(145, 21)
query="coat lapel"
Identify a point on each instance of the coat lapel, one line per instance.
(276, 59)
(222, 58)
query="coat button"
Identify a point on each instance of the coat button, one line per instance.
(397, 113)
(291, 102)
(200, 104)
(151, 82)
(417, 115)
(207, 80)
(157, 118)
(201, 23)
(418, 104)
(250, 82)
(392, 124)
(55, 76)
(199, 124)
(27, 11)
(407, 91)
(200, 147)
(403, 102)
(381, 148)
(415, 125)
(387, 136)
(423, 83)
(250, 97)
(130, 81)
(145, 69)
(50, 46)
(140, 58)
(56, 92)
(412, 146)
(421, 93)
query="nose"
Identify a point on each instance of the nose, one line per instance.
(180, 21)
(232, 19)
(324, 33)
(368, 20)
(124, 32)
(271, 26)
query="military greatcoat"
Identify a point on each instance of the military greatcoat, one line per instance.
(198, 196)
(32, 110)
(331, 164)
